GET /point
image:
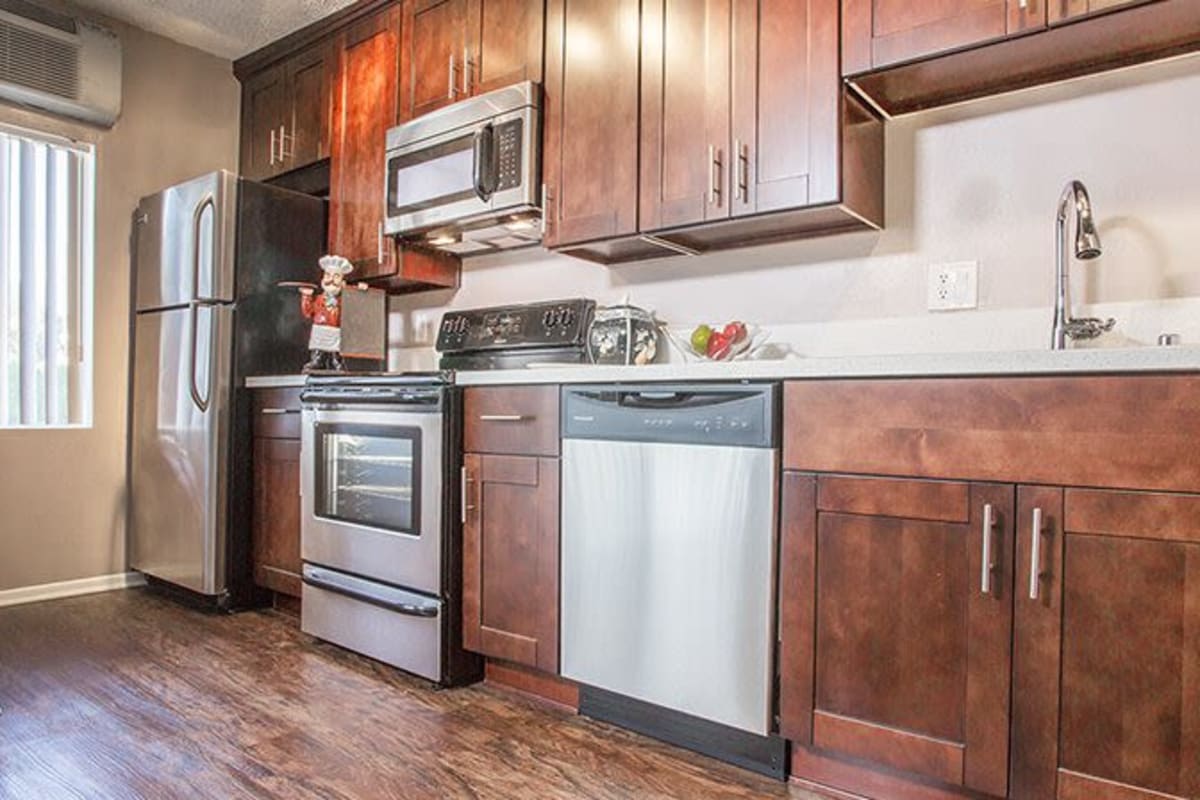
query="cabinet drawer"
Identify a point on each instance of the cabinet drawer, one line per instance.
(277, 413)
(513, 420)
(1101, 431)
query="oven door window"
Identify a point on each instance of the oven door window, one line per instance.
(369, 475)
(434, 176)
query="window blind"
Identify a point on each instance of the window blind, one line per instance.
(45, 281)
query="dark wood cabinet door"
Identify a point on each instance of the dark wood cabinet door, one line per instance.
(685, 147)
(505, 39)
(895, 650)
(264, 118)
(310, 78)
(590, 152)
(879, 33)
(1107, 655)
(1069, 10)
(787, 105)
(276, 525)
(434, 57)
(510, 559)
(364, 108)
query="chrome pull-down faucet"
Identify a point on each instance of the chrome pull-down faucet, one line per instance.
(1087, 247)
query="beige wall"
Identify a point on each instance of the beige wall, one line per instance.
(62, 498)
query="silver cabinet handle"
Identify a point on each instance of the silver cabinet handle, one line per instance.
(714, 175)
(468, 69)
(503, 418)
(451, 91)
(742, 152)
(466, 506)
(284, 154)
(1035, 556)
(272, 147)
(985, 575)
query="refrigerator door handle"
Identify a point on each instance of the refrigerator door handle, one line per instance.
(208, 201)
(201, 401)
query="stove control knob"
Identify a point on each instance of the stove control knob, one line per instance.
(568, 317)
(548, 318)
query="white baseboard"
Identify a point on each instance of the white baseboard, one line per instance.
(54, 591)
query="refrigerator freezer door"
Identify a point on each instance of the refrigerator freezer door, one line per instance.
(184, 240)
(181, 418)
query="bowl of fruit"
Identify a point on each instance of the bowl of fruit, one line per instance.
(735, 340)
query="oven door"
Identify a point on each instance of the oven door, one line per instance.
(372, 494)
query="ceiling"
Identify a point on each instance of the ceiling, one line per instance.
(227, 28)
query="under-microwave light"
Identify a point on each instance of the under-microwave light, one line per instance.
(519, 224)
(442, 239)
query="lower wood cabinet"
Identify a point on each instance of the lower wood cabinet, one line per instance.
(1106, 699)
(916, 613)
(510, 559)
(895, 647)
(276, 525)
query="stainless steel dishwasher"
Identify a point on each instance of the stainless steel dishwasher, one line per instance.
(668, 561)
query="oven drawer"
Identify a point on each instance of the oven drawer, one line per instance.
(277, 413)
(511, 420)
(392, 625)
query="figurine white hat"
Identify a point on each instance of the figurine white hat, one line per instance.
(335, 264)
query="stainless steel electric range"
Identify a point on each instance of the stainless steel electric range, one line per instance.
(380, 537)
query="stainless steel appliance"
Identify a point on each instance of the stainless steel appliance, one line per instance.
(382, 569)
(207, 256)
(507, 337)
(668, 562)
(466, 178)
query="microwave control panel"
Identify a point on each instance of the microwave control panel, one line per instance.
(508, 154)
(556, 323)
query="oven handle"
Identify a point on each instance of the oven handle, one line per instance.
(484, 162)
(388, 597)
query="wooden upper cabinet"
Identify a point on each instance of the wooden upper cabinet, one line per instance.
(1068, 10)
(434, 56)
(787, 106)
(286, 113)
(510, 559)
(364, 108)
(1107, 655)
(894, 649)
(310, 77)
(880, 33)
(685, 144)
(590, 153)
(454, 49)
(264, 105)
(741, 109)
(506, 41)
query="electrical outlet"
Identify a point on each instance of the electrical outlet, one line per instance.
(953, 286)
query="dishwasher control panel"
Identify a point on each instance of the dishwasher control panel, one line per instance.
(734, 415)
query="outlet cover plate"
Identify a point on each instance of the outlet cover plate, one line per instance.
(952, 287)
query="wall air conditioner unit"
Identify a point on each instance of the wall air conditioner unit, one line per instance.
(60, 64)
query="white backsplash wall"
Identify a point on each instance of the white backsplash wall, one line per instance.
(977, 182)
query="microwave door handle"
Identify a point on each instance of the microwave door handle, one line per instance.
(485, 162)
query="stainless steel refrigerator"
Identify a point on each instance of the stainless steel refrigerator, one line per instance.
(208, 254)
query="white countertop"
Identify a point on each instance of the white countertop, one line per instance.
(916, 365)
(275, 381)
(1027, 362)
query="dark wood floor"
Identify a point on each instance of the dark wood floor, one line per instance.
(127, 695)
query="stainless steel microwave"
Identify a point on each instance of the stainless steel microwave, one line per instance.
(466, 178)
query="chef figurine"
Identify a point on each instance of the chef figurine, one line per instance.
(325, 311)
